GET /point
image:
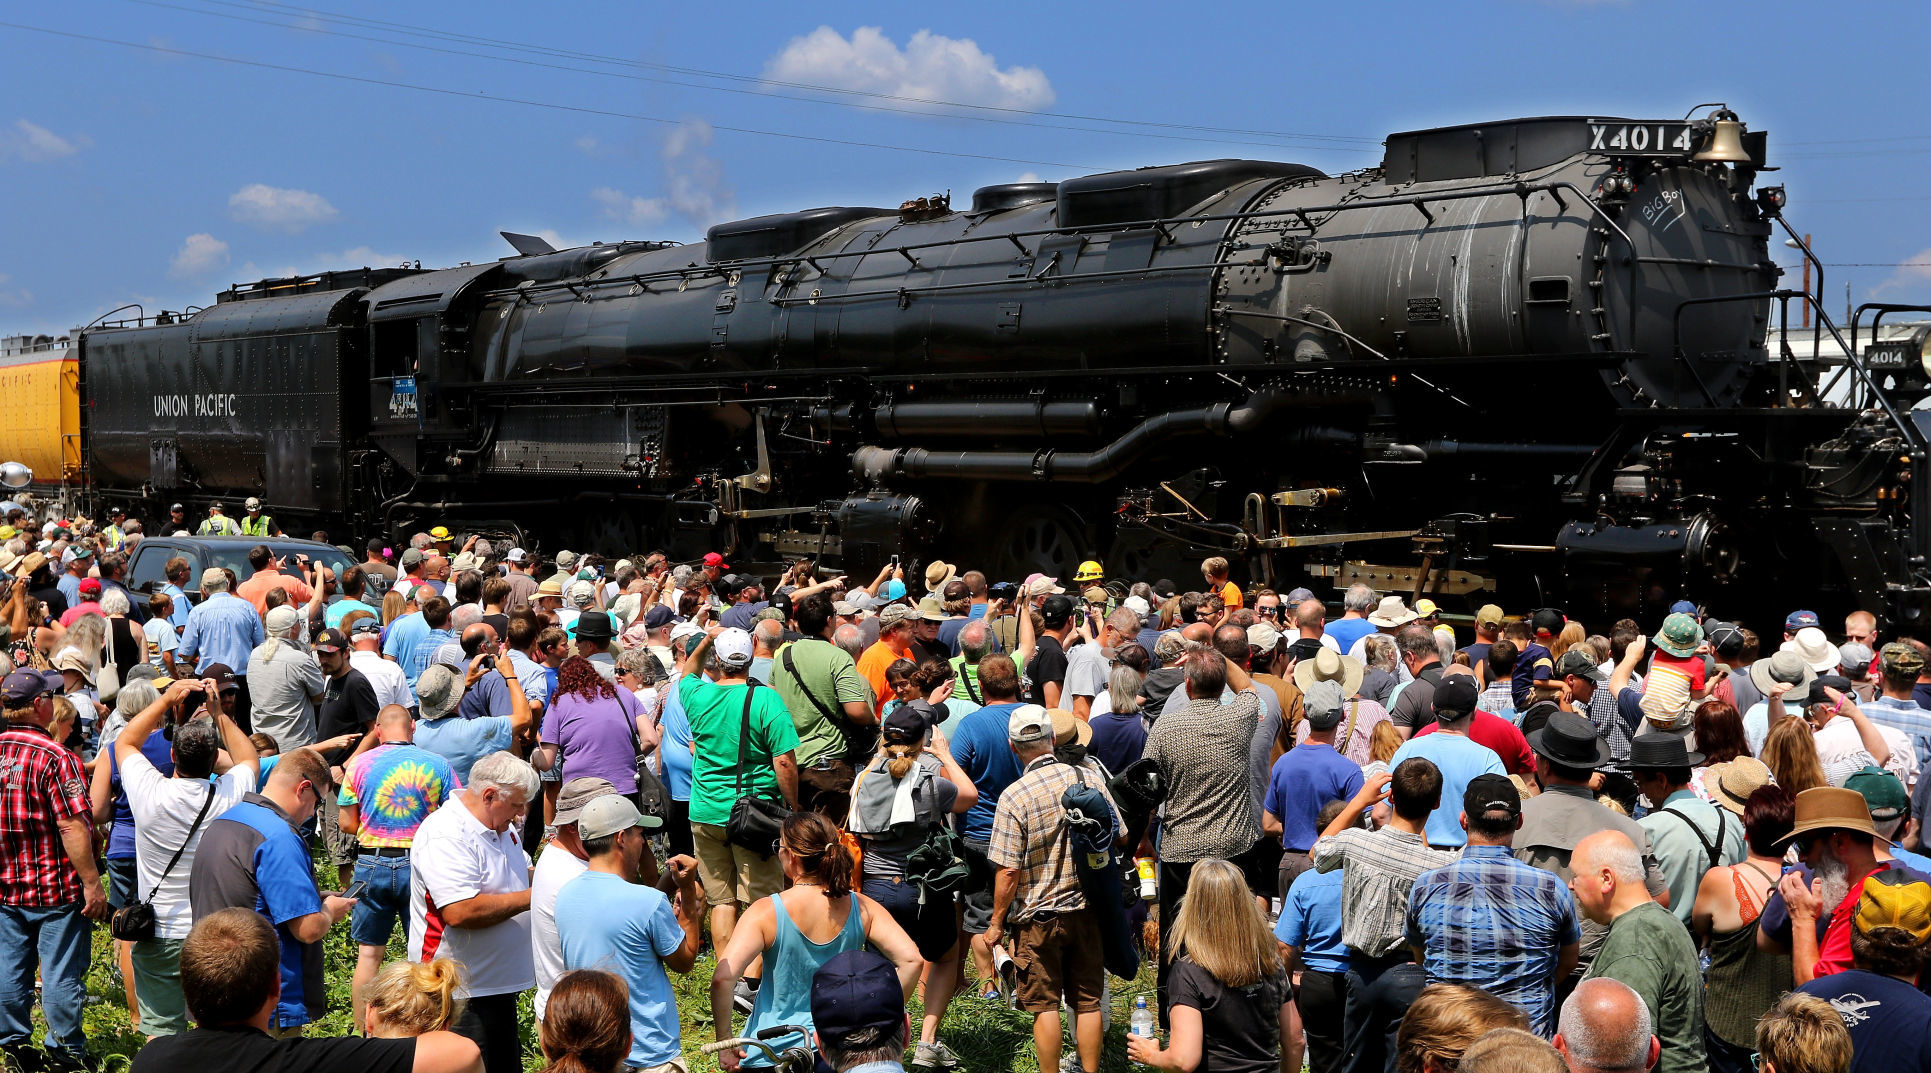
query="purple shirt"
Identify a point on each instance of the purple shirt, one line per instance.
(594, 737)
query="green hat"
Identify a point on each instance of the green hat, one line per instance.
(1901, 658)
(1882, 792)
(1680, 635)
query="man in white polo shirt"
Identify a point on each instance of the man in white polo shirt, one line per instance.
(469, 900)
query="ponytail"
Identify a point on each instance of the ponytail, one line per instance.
(903, 757)
(813, 840)
(413, 998)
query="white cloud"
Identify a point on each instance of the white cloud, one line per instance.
(199, 255)
(1914, 277)
(636, 211)
(930, 67)
(693, 178)
(277, 209)
(1027, 177)
(586, 145)
(36, 144)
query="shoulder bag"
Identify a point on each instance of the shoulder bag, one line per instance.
(134, 922)
(860, 742)
(107, 680)
(755, 822)
(652, 797)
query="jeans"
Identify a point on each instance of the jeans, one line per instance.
(1322, 1000)
(56, 941)
(384, 902)
(1380, 990)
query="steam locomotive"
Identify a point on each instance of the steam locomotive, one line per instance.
(1525, 355)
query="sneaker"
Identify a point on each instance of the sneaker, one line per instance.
(743, 998)
(934, 1056)
(1069, 1063)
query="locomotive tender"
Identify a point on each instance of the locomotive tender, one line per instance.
(1522, 353)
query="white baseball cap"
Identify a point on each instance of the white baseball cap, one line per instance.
(608, 815)
(516, 555)
(733, 647)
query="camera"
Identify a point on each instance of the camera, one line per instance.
(1005, 590)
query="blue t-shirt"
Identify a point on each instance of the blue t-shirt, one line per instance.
(1889, 1020)
(1311, 921)
(462, 742)
(1344, 632)
(676, 747)
(333, 615)
(160, 753)
(1460, 760)
(1118, 740)
(1303, 781)
(983, 751)
(1534, 662)
(489, 696)
(626, 929)
(285, 882)
(405, 636)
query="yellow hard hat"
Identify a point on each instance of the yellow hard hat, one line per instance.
(1089, 571)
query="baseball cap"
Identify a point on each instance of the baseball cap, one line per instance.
(90, 586)
(1901, 659)
(1799, 619)
(1577, 662)
(577, 793)
(1455, 696)
(330, 640)
(366, 627)
(411, 557)
(894, 589)
(714, 559)
(1683, 607)
(1882, 792)
(955, 590)
(222, 675)
(1855, 655)
(733, 648)
(658, 617)
(1041, 585)
(24, 685)
(609, 815)
(908, 722)
(1425, 608)
(892, 614)
(1893, 899)
(1029, 722)
(566, 561)
(1489, 792)
(1488, 615)
(1056, 610)
(177, 506)
(1096, 595)
(1324, 701)
(1264, 636)
(1547, 620)
(516, 555)
(856, 1002)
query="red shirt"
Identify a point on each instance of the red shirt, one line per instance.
(1834, 955)
(1500, 735)
(41, 783)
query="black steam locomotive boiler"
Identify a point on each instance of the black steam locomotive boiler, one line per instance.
(1526, 355)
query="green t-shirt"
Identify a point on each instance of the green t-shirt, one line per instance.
(1650, 950)
(832, 677)
(715, 712)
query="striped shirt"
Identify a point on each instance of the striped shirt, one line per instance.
(1492, 922)
(1379, 869)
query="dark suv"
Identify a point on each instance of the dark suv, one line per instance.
(147, 571)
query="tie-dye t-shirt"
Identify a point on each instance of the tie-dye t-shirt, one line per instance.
(396, 785)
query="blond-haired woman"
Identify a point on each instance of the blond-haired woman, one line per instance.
(407, 999)
(1229, 991)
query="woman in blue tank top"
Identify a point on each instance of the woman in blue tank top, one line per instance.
(799, 930)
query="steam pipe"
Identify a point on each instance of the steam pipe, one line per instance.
(907, 420)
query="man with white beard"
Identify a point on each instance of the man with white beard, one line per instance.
(1840, 847)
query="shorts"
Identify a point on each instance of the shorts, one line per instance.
(934, 926)
(385, 900)
(342, 846)
(975, 905)
(157, 983)
(732, 874)
(122, 877)
(1059, 958)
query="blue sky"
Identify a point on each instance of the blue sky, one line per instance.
(143, 174)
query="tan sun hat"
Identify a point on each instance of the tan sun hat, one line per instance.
(1330, 666)
(1391, 613)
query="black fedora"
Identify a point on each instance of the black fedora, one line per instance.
(1570, 740)
(594, 626)
(1651, 751)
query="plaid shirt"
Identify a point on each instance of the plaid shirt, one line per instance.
(1492, 922)
(1905, 716)
(1379, 867)
(1029, 835)
(1603, 712)
(41, 783)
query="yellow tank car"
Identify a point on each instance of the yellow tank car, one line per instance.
(40, 407)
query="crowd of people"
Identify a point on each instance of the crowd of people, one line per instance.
(1352, 837)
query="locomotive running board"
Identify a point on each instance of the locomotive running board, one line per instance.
(1392, 578)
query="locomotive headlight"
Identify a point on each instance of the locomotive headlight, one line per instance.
(1771, 199)
(1923, 339)
(15, 475)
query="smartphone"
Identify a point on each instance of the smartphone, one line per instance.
(489, 663)
(894, 560)
(356, 888)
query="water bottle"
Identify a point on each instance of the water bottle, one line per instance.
(1142, 1023)
(1149, 887)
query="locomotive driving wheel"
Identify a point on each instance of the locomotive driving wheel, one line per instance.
(1040, 539)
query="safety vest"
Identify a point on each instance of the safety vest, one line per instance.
(114, 537)
(261, 526)
(219, 525)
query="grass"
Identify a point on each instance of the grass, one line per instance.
(986, 1036)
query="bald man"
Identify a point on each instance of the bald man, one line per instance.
(1646, 947)
(1605, 1028)
(766, 635)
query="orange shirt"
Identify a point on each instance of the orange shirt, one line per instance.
(871, 667)
(255, 590)
(1230, 596)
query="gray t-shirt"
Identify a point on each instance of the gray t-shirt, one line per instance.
(885, 857)
(281, 684)
(1086, 673)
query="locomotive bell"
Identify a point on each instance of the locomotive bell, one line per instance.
(15, 475)
(1726, 142)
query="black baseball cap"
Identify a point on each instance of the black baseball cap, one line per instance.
(1056, 610)
(1489, 792)
(1548, 620)
(856, 1002)
(330, 640)
(1455, 697)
